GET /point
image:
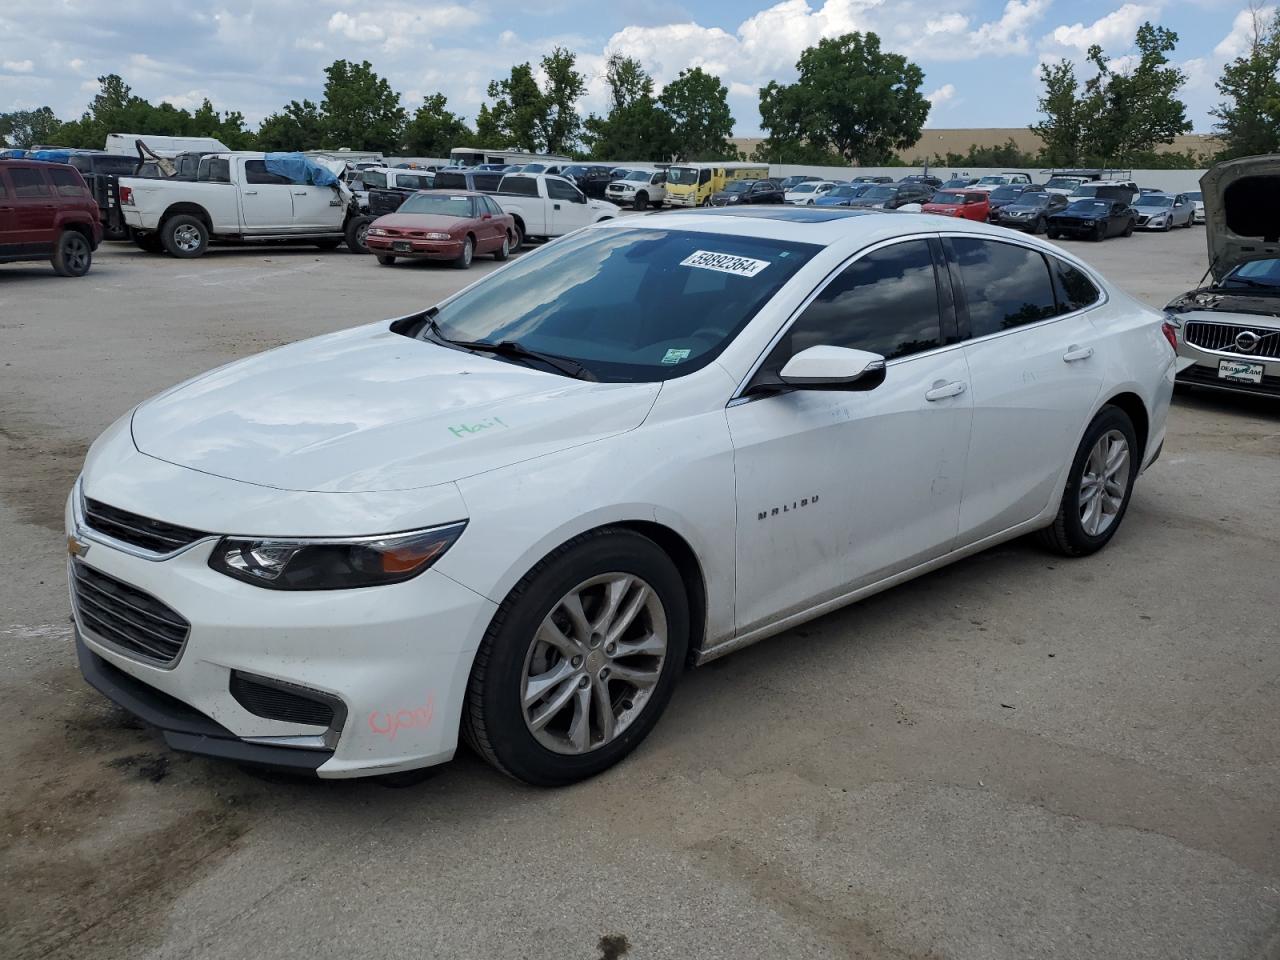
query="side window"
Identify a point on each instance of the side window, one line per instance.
(886, 302)
(28, 182)
(67, 183)
(704, 176)
(1075, 290)
(1005, 285)
(522, 186)
(494, 208)
(255, 171)
(559, 190)
(4, 189)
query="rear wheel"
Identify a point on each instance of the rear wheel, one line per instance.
(579, 661)
(1099, 486)
(73, 255)
(463, 260)
(386, 259)
(184, 236)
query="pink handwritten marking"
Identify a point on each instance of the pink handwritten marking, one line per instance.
(403, 719)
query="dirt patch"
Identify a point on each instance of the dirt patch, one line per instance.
(612, 946)
(39, 473)
(102, 828)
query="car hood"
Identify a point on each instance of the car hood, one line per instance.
(1022, 208)
(1242, 212)
(370, 410)
(431, 222)
(1081, 214)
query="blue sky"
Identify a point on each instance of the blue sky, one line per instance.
(979, 56)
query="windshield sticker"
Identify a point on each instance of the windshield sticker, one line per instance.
(724, 263)
(675, 356)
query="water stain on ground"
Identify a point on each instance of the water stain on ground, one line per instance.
(39, 472)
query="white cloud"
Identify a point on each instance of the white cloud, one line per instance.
(18, 66)
(1118, 26)
(76, 64)
(396, 26)
(1237, 42)
(940, 96)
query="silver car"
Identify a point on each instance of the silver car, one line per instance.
(1228, 333)
(1164, 211)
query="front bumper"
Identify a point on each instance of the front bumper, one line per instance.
(396, 658)
(412, 247)
(1074, 228)
(682, 200)
(1199, 367)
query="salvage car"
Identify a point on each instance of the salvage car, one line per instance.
(547, 206)
(592, 179)
(1229, 332)
(1163, 211)
(443, 225)
(638, 188)
(969, 204)
(747, 192)
(842, 195)
(1093, 220)
(47, 213)
(1008, 193)
(891, 196)
(805, 194)
(1030, 211)
(338, 556)
(994, 180)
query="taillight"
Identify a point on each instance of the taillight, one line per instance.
(1171, 334)
(126, 195)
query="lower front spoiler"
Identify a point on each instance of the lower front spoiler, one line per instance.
(184, 727)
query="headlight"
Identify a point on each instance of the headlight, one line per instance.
(334, 563)
(377, 232)
(437, 236)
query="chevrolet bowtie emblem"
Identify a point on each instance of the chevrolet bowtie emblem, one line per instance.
(77, 548)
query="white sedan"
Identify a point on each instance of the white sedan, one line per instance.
(518, 515)
(804, 194)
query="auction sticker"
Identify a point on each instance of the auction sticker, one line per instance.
(724, 263)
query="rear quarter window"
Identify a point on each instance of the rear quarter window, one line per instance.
(1005, 285)
(67, 183)
(520, 186)
(1075, 290)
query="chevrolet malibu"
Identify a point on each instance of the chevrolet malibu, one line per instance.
(515, 516)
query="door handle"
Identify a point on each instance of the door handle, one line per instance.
(555, 206)
(941, 390)
(251, 193)
(1075, 353)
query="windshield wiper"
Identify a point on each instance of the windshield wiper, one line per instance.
(517, 351)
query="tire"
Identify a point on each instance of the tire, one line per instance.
(1128, 230)
(73, 255)
(642, 200)
(150, 242)
(1040, 226)
(517, 237)
(328, 244)
(504, 251)
(1099, 233)
(1070, 534)
(1187, 225)
(1168, 225)
(184, 236)
(355, 231)
(463, 260)
(1053, 234)
(495, 721)
(386, 259)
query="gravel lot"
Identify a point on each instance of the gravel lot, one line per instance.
(1016, 757)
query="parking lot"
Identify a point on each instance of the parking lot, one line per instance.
(1018, 756)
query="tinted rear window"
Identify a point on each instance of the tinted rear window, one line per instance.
(67, 183)
(451, 181)
(1075, 290)
(521, 186)
(1005, 285)
(28, 182)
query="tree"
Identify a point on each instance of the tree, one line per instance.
(25, 128)
(359, 109)
(635, 128)
(434, 131)
(559, 124)
(518, 110)
(850, 97)
(696, 104)
(1249, 117)
(1062, 130)
(299, 126)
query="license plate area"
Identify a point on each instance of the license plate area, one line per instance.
(1240, 371)
(402, 245)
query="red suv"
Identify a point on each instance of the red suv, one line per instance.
(47, 213)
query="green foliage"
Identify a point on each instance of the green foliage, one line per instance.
(359, 109)
(771, 150)
(1062, 128)
(559, 124)
(697, 107)
(434, 131)
(24, 128)
(1249, 116)
(635, 128)
(851, 98)
(298, 126)
(1009, 154)
(518, 111)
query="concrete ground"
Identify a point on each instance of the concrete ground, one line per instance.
(1019, 756)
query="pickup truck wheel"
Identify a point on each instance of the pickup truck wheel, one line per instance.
(464, 258)
(356, 230)
(73, 255)
(504, 251)
(642, 200)
(184, 236)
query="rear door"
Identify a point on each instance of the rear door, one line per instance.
(316, 209)
(8, 218)
(1031, 355)
(266, 199)
(35, 209)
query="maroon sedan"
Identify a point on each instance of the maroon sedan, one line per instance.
(454, 225)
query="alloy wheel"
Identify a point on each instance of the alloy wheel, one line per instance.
(187, 238)
(594, 663)
(76, 253)
(1104, 483)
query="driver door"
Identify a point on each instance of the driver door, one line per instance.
(569, 209)
(838, 489)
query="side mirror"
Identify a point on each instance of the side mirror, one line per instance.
(833, 368)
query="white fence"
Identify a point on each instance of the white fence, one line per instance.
(1172, 181)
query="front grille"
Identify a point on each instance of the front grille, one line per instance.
(1142, 220)
(125, 617)
(276, 702)
(154, 535)
(1198, 373)
(1222, 338)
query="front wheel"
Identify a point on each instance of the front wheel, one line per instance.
(355, 231)
(1039, 226)
(1053, 234)
(642, 201)
(386, 259)
(1098, 487)
(580, 660)
(1128, 230)
(463, 260)
(73, 255)
(504, 251)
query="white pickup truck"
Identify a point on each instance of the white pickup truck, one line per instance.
(235, 197)
(548, 206)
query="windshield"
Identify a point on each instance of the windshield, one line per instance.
(1089, 206)
(1264, 273)
(628, 304)
(737, 186)
(842, 192)
(438, 204)
(573, 171)
(687, 176)
(1063, 183)
(638, 175)
(957, 183)
(1151, 200)
(992, 180)
(373, 180)
(1005, 193)
(944, 196)
(878, 193)
(1031, 200)
(803, 188)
